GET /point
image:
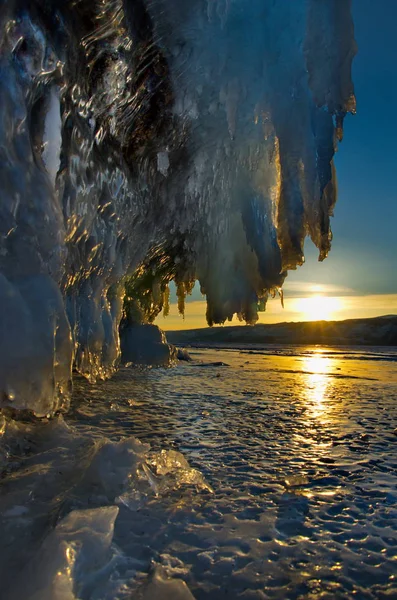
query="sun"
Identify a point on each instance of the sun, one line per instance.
(317, 308)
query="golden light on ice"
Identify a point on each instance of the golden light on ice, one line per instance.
(318, 308)
(317, 367)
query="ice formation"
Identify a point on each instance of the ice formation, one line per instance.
(160, 140)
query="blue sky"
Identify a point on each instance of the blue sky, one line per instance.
(363, 259)
(365, 223)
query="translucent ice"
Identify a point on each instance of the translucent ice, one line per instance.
(156, 140)
(73, 557)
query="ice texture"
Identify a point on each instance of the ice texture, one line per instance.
(62, 491)
(160, 140)
(72, 557)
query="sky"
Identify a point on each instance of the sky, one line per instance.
(359, 278)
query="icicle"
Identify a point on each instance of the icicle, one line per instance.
(148, 141)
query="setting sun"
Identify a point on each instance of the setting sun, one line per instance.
(318, 308)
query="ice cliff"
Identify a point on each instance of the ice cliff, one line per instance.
(159, 140)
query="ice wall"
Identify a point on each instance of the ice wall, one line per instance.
(161, 140)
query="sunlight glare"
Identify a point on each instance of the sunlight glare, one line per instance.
(318, 368)
(318, 308)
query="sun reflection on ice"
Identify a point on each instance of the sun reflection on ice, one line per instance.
(317, 368)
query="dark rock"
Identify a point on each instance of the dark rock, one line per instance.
(183, 354)
(145, 345)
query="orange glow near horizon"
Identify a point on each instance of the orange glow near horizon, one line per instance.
(318, 308)
(310, 307)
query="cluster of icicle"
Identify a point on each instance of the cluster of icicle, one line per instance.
(184, 140)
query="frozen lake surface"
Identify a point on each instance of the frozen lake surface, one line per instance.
(271, 473)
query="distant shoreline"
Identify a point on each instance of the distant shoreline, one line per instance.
(376, 331)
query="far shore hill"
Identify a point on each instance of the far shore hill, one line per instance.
(377, 331)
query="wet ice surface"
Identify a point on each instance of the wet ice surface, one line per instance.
(298, 446)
